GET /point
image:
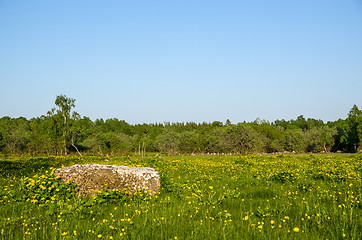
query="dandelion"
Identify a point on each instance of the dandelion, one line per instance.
(296, 229)
(272, 222)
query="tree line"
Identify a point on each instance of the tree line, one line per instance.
(62, 131)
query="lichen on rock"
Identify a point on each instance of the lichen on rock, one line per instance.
(95, 177)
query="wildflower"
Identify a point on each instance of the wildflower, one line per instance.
(296, 229)
(272, 222)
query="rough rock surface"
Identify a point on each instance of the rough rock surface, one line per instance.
(96, 177)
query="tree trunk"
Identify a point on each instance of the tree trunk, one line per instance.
(139, 148)
(76, 148)
(143, 148)
(64, 143)
(100, 150)
(65, 134)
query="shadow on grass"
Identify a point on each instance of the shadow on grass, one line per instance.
(28, 166)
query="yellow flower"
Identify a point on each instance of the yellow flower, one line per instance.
(64, 233)
(99, 236)
(272, 222)
(296, 229)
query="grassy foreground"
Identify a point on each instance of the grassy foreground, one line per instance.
(202, 197)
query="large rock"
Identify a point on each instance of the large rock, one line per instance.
(96, 177)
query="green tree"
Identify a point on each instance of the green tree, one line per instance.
(354, 129)
(64, 116)
(14, 134)
(294, 140)
(240, 138)
(320, 139)
(168, 141)
(188, 142)
(96, 141)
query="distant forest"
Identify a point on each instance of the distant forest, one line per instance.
(62, 131)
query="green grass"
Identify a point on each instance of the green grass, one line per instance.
(202, 197)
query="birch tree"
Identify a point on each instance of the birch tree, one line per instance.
(64, 105)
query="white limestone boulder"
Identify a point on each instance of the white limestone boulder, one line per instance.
(96, 177)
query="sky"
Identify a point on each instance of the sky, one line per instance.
(182, 61)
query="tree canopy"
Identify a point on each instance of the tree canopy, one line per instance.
(62, 131)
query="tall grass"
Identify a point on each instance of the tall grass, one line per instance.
(202, 197)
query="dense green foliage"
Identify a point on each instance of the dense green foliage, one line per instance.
(202, 197)
(62, 131)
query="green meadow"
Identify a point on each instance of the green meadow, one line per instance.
(201, 197)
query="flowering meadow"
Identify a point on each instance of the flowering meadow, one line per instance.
(201, 197)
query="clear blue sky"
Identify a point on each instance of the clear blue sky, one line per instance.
(182, 61)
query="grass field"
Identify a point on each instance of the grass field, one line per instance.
(202, 197)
